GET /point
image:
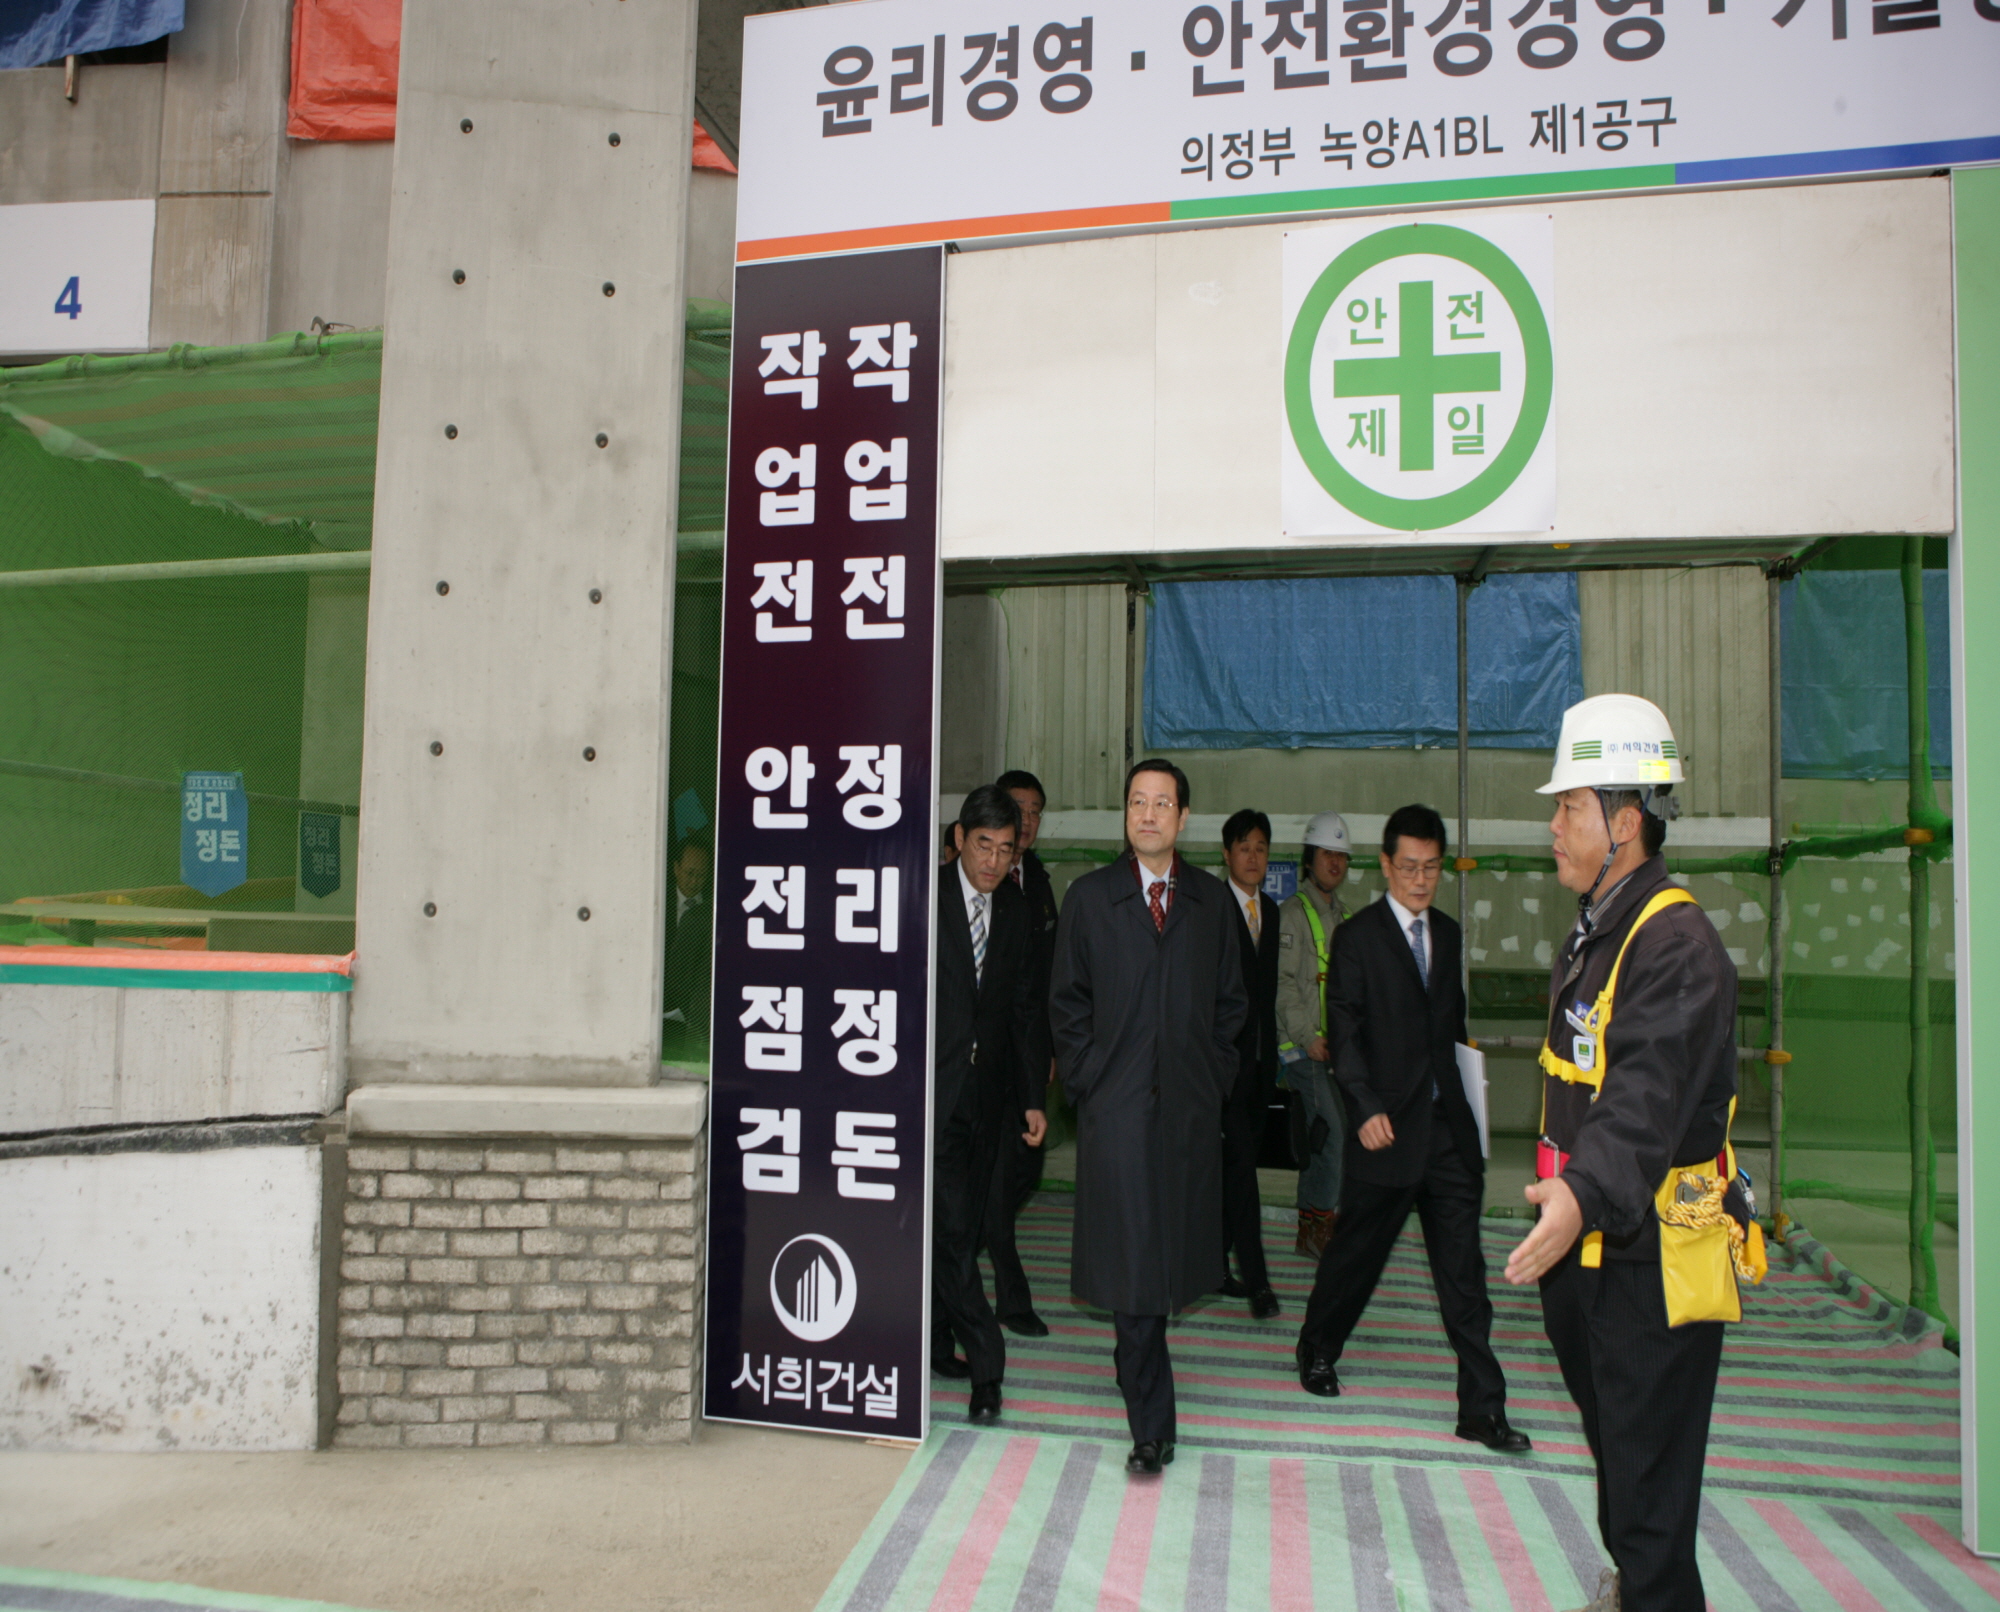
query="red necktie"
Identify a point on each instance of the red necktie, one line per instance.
(1153, 894)
(1017, 877)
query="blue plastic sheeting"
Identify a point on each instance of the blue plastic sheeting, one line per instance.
(1354, 663)
(1847, 711)
(36, 32)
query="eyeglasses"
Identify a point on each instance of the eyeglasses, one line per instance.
(1418, 870)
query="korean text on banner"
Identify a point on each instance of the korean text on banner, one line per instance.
(930, 120)
(215, 832)
(825, 849)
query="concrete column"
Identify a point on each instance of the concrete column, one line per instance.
(520, 603)
(222, 136)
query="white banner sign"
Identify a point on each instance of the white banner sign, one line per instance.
(1419, 368)
(76, 277)
(902, 121)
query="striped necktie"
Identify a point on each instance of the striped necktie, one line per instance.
(978, 940)
(1418, 952)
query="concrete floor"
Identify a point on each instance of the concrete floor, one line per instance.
(745, 1518)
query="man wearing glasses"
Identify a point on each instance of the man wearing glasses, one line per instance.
(1395, 1010)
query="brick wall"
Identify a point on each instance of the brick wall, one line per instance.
(519, 1293)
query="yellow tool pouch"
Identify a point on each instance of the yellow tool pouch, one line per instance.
(1704, 1249)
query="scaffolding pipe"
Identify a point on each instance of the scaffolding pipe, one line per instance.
(1774, 976)
(1464, 814)
(1923, 811)
(1131, 674)
(253, 565)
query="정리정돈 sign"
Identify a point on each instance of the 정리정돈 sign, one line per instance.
(1419, 372)
(826, 849)
(215, 831)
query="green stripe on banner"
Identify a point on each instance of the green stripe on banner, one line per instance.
(170, 979)
(1653, 177)
(25, 1590)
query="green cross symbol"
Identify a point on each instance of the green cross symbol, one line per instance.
(1417, 376)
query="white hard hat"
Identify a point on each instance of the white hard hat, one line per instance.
(1328, 831)
(1614, 741)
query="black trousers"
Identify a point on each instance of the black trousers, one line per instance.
(1145, 1375)
(1447, 1201)
(1242, 1212)
(1644, 1390)
(962, 1175)
(1017, 1172)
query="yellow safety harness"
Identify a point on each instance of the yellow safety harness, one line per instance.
(1703, 1248)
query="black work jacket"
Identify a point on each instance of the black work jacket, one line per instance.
(1669, 1059)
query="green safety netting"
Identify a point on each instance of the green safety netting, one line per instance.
(183, 587)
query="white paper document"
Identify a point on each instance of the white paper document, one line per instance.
(1472, 1070)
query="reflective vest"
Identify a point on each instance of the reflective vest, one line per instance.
(1318, 928)
(1702, 1247)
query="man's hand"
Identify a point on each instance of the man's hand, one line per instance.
(1554, 1234)
(1038, 1127)
(1316, 1049)
(1377, 1133)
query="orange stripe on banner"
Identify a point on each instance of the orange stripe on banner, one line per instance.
(177, 962)
(953, 229)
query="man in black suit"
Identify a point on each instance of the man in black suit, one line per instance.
(1246, 852)
(690, 941)
(990, 1053)
(1396, 1010)
(1018, 1171)
(1145, 1004)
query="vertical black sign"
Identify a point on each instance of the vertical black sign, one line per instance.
(825, 849)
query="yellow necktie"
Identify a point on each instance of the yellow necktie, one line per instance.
(1253, 909)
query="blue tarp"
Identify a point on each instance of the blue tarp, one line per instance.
(1355, 663)
(36, 32)
(1847, 711)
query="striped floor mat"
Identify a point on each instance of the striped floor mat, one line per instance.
(1020, 1523)
(1828, 1392)
(24, 1590)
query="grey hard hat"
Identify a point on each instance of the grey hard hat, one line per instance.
(1328, 831)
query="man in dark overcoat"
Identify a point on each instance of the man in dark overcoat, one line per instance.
(1145, 1006)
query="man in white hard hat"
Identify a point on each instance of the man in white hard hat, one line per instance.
(1306, 924)
(1639, 1078)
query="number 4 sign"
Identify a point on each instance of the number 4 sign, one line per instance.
(51, 253)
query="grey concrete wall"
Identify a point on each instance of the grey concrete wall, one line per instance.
(103, 147)
(79, 1055)
(711, 244)
(510, 888)
(330, 255)
(160, 1301)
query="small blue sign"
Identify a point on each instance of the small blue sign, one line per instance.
(1281, 880)
(215, 831)
(319, 853)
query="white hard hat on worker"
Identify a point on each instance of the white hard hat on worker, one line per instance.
(1610, 744)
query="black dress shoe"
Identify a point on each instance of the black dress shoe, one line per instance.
(1026, 1323)
(1149, 1455)
(984, 1410)
(1263, 1304)
(1316, 1374)
(1495, 1434)
(1233, 1288)
(950, 1366)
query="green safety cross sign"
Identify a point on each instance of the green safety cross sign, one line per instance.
(1418, 376)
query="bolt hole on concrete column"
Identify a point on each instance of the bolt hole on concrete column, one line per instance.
(610, 290)
(589, 752)
(583, 914)
(443, 589)
(451, 433)
(614, 137)
(603, 441)
(430, 909)
(437, 749)
(465, 125)
(597, 596)
(458, 277)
